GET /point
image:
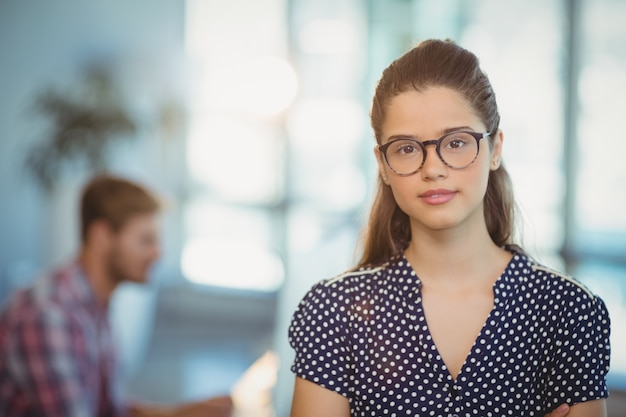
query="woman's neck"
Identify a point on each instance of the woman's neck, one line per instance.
(454, 256)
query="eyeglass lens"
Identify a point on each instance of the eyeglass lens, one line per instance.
(457, 150)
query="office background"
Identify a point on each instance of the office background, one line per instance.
(250, 117)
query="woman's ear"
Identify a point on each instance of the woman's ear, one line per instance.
(496, 150)
(382, 168)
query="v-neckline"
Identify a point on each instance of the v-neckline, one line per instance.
(429, 348)
(433, 355)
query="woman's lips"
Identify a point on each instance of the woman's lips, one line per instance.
(436, 197)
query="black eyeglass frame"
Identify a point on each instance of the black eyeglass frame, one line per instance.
(437, 142)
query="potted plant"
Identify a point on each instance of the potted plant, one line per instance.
(83, 127)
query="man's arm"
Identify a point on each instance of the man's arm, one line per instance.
(213, 407)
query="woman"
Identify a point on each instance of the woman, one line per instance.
(444, 315)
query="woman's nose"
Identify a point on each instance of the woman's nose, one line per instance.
(433, 166)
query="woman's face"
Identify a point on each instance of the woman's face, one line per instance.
(438, 197)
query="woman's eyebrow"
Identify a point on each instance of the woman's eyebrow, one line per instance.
(442, 132)
(454, 129)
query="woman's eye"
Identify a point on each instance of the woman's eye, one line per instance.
(455, 143)
(407, 149)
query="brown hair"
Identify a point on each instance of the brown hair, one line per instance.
(435, 63)
(114, 200)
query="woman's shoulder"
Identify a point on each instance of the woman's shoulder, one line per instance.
(548, 278)
(356, 282)
(354, 277)
(558, 287)
(369, 276)
(551, 276)
(560, 300)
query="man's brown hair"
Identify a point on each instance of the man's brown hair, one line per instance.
(114, 200)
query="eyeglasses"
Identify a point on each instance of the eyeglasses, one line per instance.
(457, 150)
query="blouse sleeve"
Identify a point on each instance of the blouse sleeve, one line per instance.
(582, 358)
(318, 338)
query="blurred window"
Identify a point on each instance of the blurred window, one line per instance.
(598, 251)
(241, 84)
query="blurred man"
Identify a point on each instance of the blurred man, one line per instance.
(57, 357)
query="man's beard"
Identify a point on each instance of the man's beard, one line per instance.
(114, 267)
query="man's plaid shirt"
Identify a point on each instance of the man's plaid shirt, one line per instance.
(56, 352)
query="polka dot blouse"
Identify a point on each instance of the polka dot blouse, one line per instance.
(364, 335)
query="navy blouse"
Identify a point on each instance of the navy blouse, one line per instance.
(364, 335)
